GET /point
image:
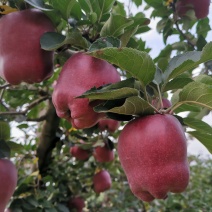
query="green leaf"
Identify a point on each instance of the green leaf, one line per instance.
(52, 40)
(188, 61)
(105, 7)
(115, 25)
(14, 146)
(105, 42)
(197, 93)
(39, 4)
(134, 105)
(137, 2)
(64, 8)
(198, 125)
(4, 131)
(204, 138)
(119, 90)
(177, 83)
(4, 149)
(204, 79)
(111, 94)
(139, 64)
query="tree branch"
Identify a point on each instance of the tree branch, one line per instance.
(47, 138)
(29, 107)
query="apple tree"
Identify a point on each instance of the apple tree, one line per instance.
(92, 120)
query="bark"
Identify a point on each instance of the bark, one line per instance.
(48, 138)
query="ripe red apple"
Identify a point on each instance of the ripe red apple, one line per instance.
(108, 124)
(8, 181)
(79, 153)
(101, 181)
(80, 73)
(200, 7)
(76, 203)
(103, 154)
(21, 56)
(153, 153)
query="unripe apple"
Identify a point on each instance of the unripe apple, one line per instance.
(101, 181)
(200, 7)
(108, 124)
(8, 182)
(103, 154)
(80, 73)
(153, 153)
(21, 56)
(79, 153)
(76, 203)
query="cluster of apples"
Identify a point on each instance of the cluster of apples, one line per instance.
(200, 7)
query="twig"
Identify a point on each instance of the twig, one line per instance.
(193, 44)
(5, 86)
(29, 107)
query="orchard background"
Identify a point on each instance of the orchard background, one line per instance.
(39, 142)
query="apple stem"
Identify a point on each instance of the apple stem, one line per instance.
(160, 97)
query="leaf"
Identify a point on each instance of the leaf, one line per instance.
(134, 105)
(139, 64)
(52, 40)
(115, 25)
(4, 149)
(14, 146)
(39, 4)
(105, 7)
(177, 83)
(204, 138)
(105, 42)
(198, 125)
(188, 61)
(64, 8)
(117, 90)
(204, 79)
(111, 94)
(197, 93)
(4, 130)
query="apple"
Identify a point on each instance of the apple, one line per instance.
(103, 154)
(108, 124)
(76, 203)
(79, 153)
(153, 153)
(200, 7)
(101, 181)
(80, 73)
(21, 56)
(8, 182)
(157, 104)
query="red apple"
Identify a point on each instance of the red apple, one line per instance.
(200, 7)
(101, 181)
(108, 124)
(8, 182)
(76, 203)
(79, 153)
(103, 154)
(153, 153)
(21, 56)
(80, 73)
